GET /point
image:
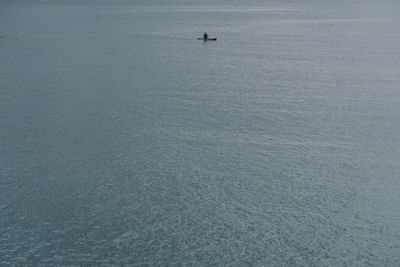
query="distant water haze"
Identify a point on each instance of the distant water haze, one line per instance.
(125, 141)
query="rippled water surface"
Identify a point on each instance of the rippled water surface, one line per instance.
(126, 141)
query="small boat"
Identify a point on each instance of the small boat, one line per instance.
(207, 39)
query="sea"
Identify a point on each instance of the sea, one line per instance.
(125, 141)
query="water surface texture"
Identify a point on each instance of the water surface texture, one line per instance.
(126, 141)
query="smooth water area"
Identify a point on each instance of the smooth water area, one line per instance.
(124, 141)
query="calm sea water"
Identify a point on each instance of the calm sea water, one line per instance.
(126, 141)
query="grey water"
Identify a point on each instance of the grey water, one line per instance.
(125, 141)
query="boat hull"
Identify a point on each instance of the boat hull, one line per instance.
(207, 39)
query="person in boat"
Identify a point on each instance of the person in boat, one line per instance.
(205, 35)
